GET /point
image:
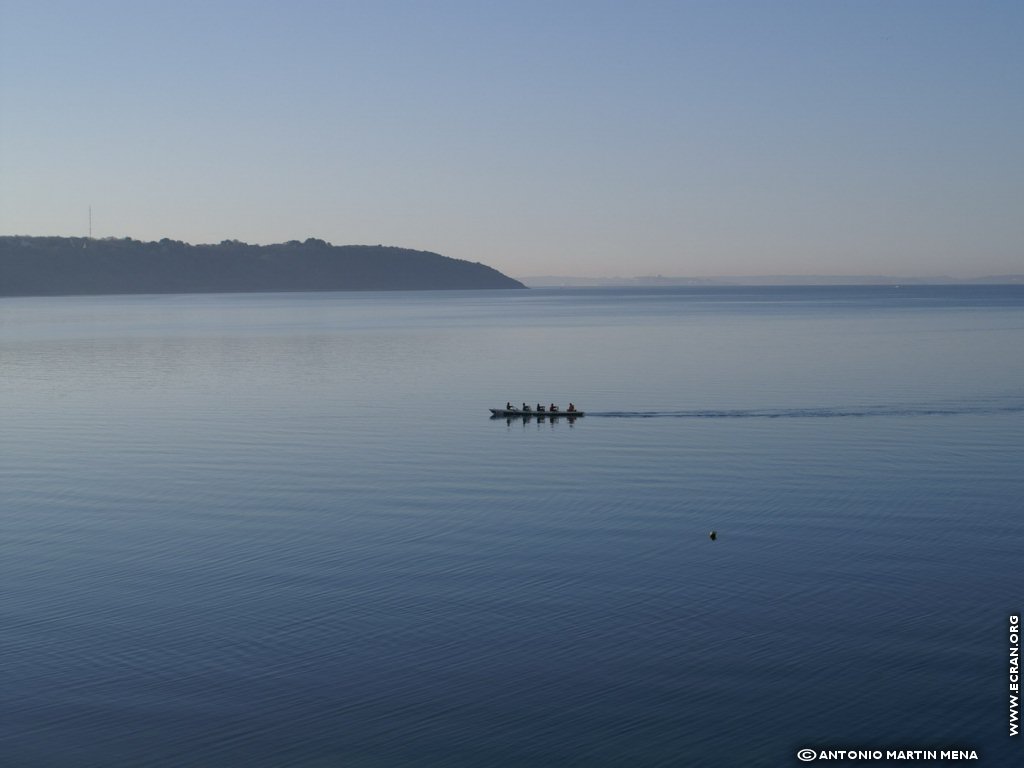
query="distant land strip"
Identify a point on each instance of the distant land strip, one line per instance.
(76, 266)
(555, 281)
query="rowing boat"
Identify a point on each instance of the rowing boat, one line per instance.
(519, 413)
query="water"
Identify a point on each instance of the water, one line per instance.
(280, 529)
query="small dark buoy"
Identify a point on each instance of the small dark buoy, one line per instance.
(713, 535)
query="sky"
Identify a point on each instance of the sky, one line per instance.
(559, 137)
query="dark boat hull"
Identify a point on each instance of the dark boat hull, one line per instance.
(516, 413)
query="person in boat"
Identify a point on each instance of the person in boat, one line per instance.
(508, 405)
(540, 407)
(526, 408)
(571, 408)
(553, 408)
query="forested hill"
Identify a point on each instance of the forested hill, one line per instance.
(65, 266)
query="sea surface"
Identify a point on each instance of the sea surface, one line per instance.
(282, 530)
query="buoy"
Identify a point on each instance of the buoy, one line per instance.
(713, 535)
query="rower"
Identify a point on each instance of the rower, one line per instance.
(526, 407)
(553, 408)
(571, 408)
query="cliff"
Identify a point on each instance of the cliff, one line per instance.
(65, 266)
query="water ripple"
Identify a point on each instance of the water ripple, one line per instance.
(950, 408)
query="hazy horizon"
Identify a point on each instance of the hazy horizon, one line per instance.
(590, 140)
(767, 279)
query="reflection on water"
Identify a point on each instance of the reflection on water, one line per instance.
(283, 530)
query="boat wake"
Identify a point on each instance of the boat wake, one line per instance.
(924, 409)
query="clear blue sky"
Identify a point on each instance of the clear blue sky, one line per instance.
(575, 138)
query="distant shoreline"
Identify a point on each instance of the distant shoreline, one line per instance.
(556, 281)
(78, 266)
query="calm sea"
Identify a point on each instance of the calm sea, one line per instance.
(282, 530)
